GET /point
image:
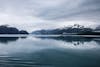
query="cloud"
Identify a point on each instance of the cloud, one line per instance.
(48, 13)
(68, 9)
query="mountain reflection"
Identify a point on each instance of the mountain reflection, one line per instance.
(9, 39)
(73, 39)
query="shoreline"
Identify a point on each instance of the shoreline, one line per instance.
(25, 35)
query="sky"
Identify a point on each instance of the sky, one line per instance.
(33, 15)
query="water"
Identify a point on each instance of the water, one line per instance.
(58, 51)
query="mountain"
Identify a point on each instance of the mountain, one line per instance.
(97, 28)
(75, 29)
(65, 30)
(4, 29)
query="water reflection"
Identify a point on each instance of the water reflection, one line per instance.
(50, 52)
(9, 39)
(76, 41)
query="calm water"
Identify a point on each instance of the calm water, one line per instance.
(53, 51)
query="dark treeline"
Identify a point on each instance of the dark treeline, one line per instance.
(4, 29)
(75, 29)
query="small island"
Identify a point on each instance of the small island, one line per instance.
(5, 29)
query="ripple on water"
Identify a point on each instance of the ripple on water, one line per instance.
(7, 61)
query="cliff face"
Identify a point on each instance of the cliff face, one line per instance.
(11, 30)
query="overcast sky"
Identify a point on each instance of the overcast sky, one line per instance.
(38, 14)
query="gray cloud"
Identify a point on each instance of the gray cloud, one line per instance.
(52, 9)
(45, 12)
(80, 9)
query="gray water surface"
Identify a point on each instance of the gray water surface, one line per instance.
(65, 51)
